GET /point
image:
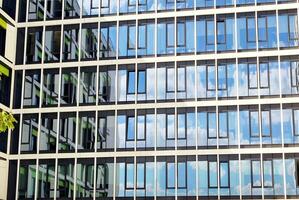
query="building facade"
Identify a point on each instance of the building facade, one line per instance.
(150, 99)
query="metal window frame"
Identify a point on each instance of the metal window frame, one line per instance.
(208, 126)
(227, 124)
(167, 135)
(209, 178)
(182, 22)
(268, 75)
(185, 79)
(144, 131)
(186, 175)
(260, 174)
(129, 45)
(185, 127)
(208, 78)
(270, 123)
(206, 33)
(144, 176)
(126, 176)
(168, 186)
(248, 40)
(266, 28)
(128, 117)
(225, 77)
(296, 64)
(228, 174)
(145, 81)
(168, 42)
(250, 123)
(248, 76)
(295, 124)
(168, 90)
(145, 36)
(128, 81)
(218, 21)
(272, 174)
(295, 38)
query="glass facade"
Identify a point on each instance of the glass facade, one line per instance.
(155, 99)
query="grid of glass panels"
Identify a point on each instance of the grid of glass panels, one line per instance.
(162, 177)
(74, 108)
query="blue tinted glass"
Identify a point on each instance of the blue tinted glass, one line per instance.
(221, 38)
(182, 175)
(213, 174)
(131, 128)
(224, 174)
(131, 82)
(141, 81)
(256, 174)
(170, 175)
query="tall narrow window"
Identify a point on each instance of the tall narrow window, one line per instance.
(140, 176)
(170, 79)
(181, 82)
(212, 125)
(141, 128)
(170, 126)
(268, 173)
(222, 77)
(131, 82)
(210, 39)
(254, 123)
(141, 85)
(130, 128)
(169, 35)
(294, 71)
(182, 128)
(170, 174)
(223, 124)
(264, 75)
(224, 174)
(142, 36)
(250, 29)
(213, 182)
(262, 29)
(266, 123)
(129, 176)
(182, 175)
(252, 76)
(131, 36)
(256, 180)
(211, 78)
(293, 27)
(296, 122)
(181, 34)
(221, 32)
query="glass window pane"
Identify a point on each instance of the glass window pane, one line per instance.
(141, 82)
(256, 174)
(224, 174)
(131, 128)
(131, 82)
(182, 178)
(170, 175)
(213, 174)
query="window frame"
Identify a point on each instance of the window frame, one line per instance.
(185, 126)
(268, 75)
(130, 28)
(144, 46)
(209, 174)
(126, 176)
(272, 174)
(224, 26)
(224, 66)
(228, 174)
(144, 129)
(207, 28)
(248, 76)
(266, 28)
(208, 78)
(295, 38)
(169, 186)
(167, 129)
(129, 74)
(295, 122)
(185, 79)
(168, 40)
(181, 22)
(270, 124)
(209, 113)
(185, 175)
(128, 119)
(250, 123)
(144, 176)
(227, 125)
(260, 174)
(248, 40)
(145, 81)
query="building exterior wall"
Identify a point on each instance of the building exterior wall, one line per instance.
(156, 99)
